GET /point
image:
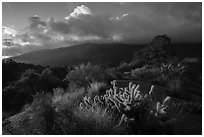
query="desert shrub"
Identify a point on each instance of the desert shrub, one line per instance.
(12, 71)
(71, 119)
(83, 75)
(123, 66)
(172, 69)
(96, 88)
(58, 72)
(60, 114)
(29, 77)
(85, 122)
(67, 100)
(50, 79)
(173, 75)
(42, 113)
(96, 121)
(73, 87)
(141, 113)
(165, 74)
(136, 63)
(45, 81)
(145, 74)
(21, 92)
(111, 74)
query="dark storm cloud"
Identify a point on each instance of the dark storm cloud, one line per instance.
(170, 18)
(191, 12)
(98, 25)
(138, 23)
(184, 21)
(178, 20)
(59, 26)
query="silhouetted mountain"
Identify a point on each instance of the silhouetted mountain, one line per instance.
(106, 54)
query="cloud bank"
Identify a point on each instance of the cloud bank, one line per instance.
(181, 21)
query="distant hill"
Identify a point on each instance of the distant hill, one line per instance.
(105, 54)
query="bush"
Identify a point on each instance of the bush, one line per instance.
(60, 114)
(15, 96)
(83, 75)
(39, 116)
(96, 121)
(12, 71)
(55, 71)
(21, 92)
(50, 78)
(145, 74)
(96, 88)
(172, 69)
(137, 63)
(111, 74)
(67, 100)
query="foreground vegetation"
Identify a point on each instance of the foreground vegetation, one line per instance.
(154, 93)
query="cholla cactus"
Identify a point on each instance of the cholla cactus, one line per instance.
(133, 105)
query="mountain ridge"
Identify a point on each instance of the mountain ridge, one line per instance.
(104, 54)
(89, 52)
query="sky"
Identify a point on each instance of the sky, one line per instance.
(34, 26)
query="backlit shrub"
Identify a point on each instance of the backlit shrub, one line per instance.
(96, 88)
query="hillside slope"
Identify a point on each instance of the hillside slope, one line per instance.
(105, 54)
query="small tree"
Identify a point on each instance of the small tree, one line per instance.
(161, 41)
(154, 54)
